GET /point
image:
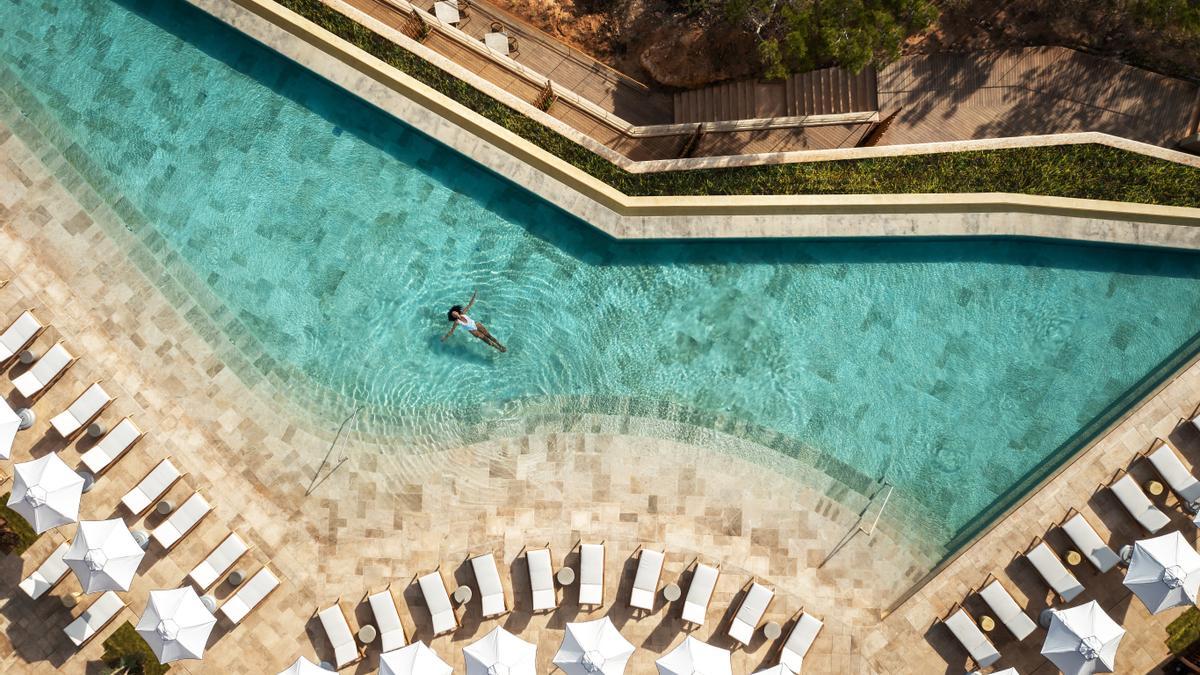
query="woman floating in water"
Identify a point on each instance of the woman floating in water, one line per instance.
(458, 317)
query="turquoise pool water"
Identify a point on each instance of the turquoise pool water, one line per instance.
(338, 237)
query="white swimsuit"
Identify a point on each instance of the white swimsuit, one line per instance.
(466, 322)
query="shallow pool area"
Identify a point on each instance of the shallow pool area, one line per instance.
(336, 237)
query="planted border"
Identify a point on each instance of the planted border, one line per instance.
(1087, 171)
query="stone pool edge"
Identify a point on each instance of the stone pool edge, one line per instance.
(624, 217)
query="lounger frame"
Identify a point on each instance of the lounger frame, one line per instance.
(1184, 504)
(1034, 544)
(553, 581)
(504, 592)
(746, 588)
(4, 363)
(101, 627)
(161, 494)
(1071, 513)
(361, 650)
(260, 603)
(85, 423)
(65, 546)
(35, 396)
(113, 460)
(603, 571)
(453, 611)
(366, 599)
(788, 637)
(225, 572)
(954, 610)
(1120, 474)
(657, 580)
(988, 581)
(695, 565)
(191, 528)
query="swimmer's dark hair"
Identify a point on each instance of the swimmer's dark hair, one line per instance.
(453, 310)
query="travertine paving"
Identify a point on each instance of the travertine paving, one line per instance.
(384, 514)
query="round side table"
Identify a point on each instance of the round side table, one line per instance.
(1154, 487)
(463, 594)
(95, 430)
(27, 416)
(1073, 558)
(236, 578)
(987, 624)
(566, 576)
(367, 634)
(772, 630)
(164, 508)
(671, 592)
(25, 357)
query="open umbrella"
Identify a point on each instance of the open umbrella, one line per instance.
(500, 653)
(592, 647)
(176, 624)
(104, 555)
(415, 659)
(1082, 640)
(9, 424)
(303, 666)
(46, 492)
(693, 657)
(1164, 572)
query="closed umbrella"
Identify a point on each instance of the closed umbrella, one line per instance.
(1083, 640)
(1164, 572)
(46, 492)
(176, 624)
(104, 555)
(500, 653)
(415, 659)
(593, 647)
(693, 657)
(303, 666)
(9, 424)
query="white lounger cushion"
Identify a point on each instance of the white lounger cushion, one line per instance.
(249, 596)
(799, 642)
(345, 650)
(46, 369)
(114, 444)
(487, 576)
(87, 406)
(182, 521)
(94, 618)
(1085, 537)
(645, 583)
(387, 619)
(541, 579)
(1057, 576)
(1138, 505)
(976, 643)
(591, 574)
(18, 335)
(1007, 610)
(438, 600)
(151, 488)
(47, 574)
(754, 605)
(221, 559)
(1168, 465)
(695, 605)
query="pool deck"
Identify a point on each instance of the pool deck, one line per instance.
(381, 517)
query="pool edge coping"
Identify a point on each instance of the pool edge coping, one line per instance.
(686, 217)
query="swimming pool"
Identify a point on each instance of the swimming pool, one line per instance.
(337, 236)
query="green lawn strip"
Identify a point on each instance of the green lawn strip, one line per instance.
(126, 649)
(1183, 631)
(1082, 171)
(18, 525)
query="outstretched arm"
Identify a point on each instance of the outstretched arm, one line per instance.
(473, 294)
(450, 332)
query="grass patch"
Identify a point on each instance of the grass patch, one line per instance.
(126, 649)
(1184, 631)
(1083, 171)
(18, 526)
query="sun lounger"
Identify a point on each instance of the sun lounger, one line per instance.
(700, 592)
(491, 591)
(645, 582)
(45, 372)
(94, 619)
(591, 574)
(1006, 608)
(1089, 543)
(182, 521)
(48, 574)
(337, 629)
(218, 561)
(81, 412)
(1138, 504)
(982, 651)
(1167, 463)
(799, 641)
(754, 605)
(152, 487)
(112, 447)
(250, 595)
(541, 579)
(387, 619)
(433, 588)
(19, 335)
(1056, 575)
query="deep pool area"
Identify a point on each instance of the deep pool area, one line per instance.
(338, 236)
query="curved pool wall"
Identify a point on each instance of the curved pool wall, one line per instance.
(333, 237)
